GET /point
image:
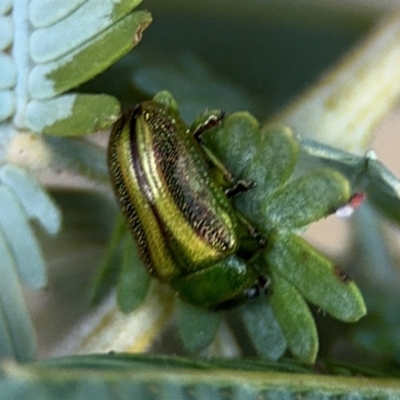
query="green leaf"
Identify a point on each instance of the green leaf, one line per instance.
(152, 362)
(295, 319)
(263, 328)
(134, 280)
(7, 102)
(384, 189)
(21, 197)
(305, 200)
(197, 326)
(72, 114)
(50, 79)
(165, 98)
(247, 392)
(265, 157)
(203, 391)
(6, 345)
(315, 277)
(47, 12)
(17, 320)
(8, 73)
(126, 390)
(172, 390)
(35, 201)
(26, 253)
(47, 65)
(20, 389)
(47, 44)
(275, 160)
(92, 389)
(238, 132)
(271, 166)
(126, 376)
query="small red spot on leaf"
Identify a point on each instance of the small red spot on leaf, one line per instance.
(354, 202)
(357, 199)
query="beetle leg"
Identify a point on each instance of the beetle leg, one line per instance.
(218, 171)
(252, 231)
(260, 287)
(211, 122)
(239, 187)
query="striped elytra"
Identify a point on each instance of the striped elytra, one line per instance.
(185, 227)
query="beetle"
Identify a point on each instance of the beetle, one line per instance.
(187, 231)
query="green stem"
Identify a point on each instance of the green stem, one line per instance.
(343, 108)
(259, 382)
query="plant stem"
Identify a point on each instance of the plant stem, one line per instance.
(344, 106)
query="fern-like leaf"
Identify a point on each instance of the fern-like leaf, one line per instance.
(46, 49)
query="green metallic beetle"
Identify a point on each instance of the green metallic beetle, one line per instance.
(188, 233)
